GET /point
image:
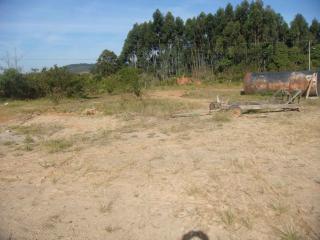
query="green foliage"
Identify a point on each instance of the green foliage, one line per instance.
(107, 63)
(280, 60)
(129, 79)
(16, 85)
(250, 35)
(315, 56)
(110, 84)
(299, 32)
(55, 82)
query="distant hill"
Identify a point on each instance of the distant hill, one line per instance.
(80, 67)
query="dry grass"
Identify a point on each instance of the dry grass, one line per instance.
(289, 232)
(228, 217)
(58, 145)
(279, 208)
(36, 129)
(106, 208)
(9, 143)
(162, 173)
(147, 107)
(221, 117)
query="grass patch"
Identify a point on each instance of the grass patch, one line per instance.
(221, 117)
(28, 139)
(225, 92)
(28, 148)
(289, 233)
(246, 222)
(147, 107)
(8, 143)
(311, 102)
(58, 145)
(227, 217)
(106, 208)
(278, 208)
(36, 129)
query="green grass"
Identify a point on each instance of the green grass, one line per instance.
(57, 145)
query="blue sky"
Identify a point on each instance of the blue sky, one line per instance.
(45, 32)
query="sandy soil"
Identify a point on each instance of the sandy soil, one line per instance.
(248, 177)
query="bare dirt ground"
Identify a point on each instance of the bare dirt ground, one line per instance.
(144, 175)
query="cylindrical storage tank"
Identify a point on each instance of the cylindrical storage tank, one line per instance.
(273, 81)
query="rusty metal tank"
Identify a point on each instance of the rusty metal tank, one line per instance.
(273, 81)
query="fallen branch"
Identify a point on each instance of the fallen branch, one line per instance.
(241, 109)
(264, 108)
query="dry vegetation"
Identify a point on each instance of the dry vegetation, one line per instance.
(129, 171)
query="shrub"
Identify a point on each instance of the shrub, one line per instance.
(55, 82)
(110, 84)
(61, 82)
(16, 85)
(129, 79)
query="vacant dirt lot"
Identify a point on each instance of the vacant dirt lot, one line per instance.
(129, 171)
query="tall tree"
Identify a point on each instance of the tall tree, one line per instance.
(299, 32)
(315, 30)
(107, 63)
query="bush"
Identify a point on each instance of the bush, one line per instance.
(129, 79)
(16, 85)
(55, 82)
(110, 84)
(61, 82)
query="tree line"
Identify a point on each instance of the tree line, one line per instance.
(250, 37)
(226, 44)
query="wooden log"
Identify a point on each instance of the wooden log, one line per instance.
(238, 109)
(264, 108)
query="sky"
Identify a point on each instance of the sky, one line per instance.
(48, 32)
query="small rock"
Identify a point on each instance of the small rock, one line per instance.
(6, 103)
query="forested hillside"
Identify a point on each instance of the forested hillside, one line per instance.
(249, 36)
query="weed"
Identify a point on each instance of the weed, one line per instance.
(221, 117)
(28, 139)
(58, 145)
(194, 190)
(227, 217)
(106, 208)
(246, 222)
(28, 147)
(278, 208)
(111, 229)
(289, 233)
